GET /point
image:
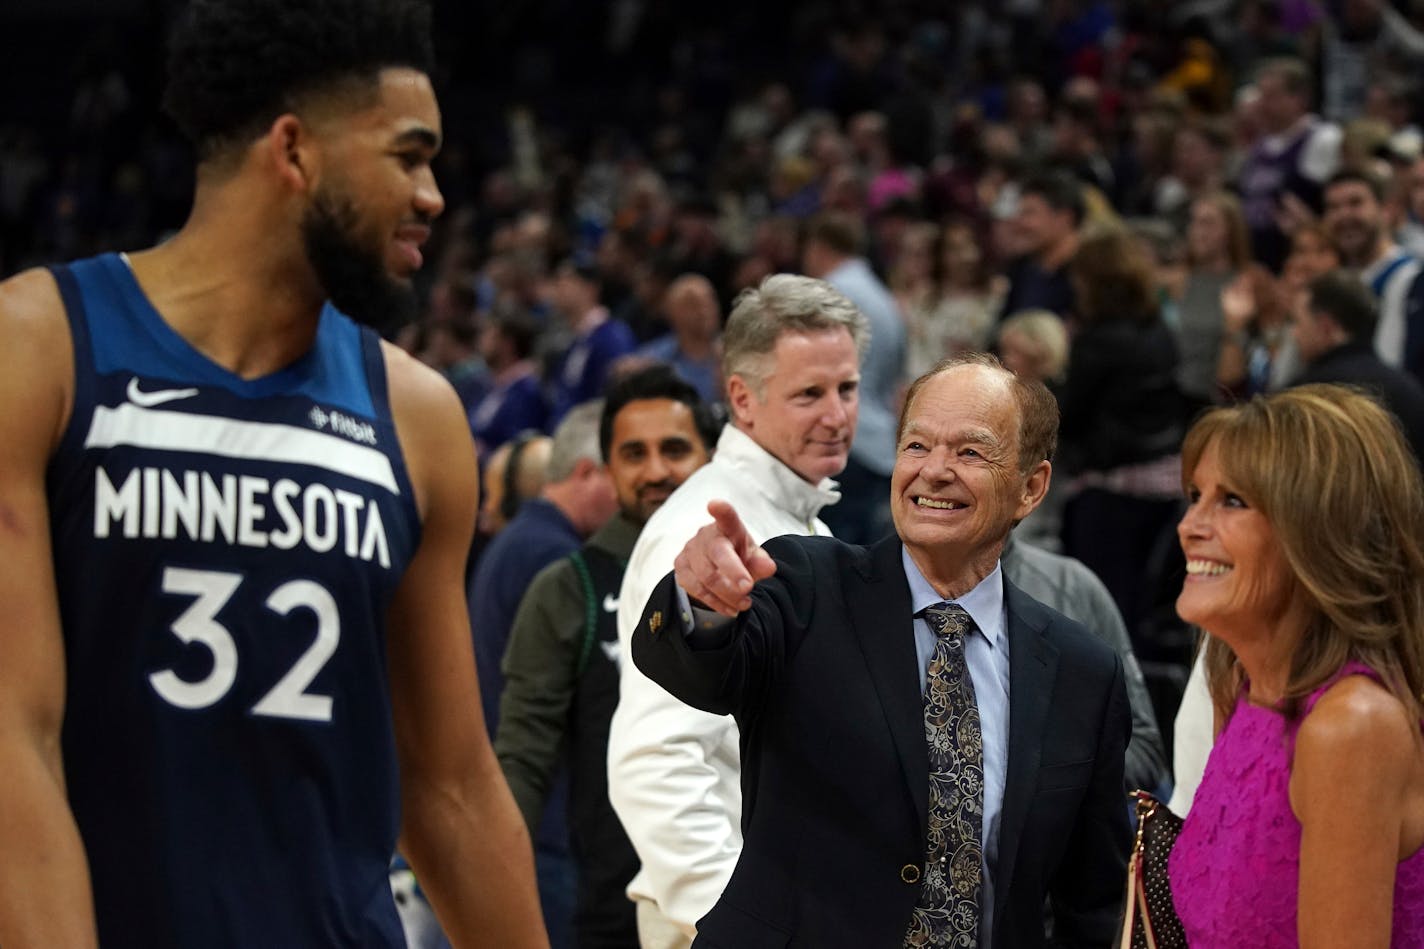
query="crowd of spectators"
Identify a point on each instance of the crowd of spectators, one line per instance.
(1150, 179)
(1132, 201)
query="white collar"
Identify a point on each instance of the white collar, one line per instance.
(783, 487)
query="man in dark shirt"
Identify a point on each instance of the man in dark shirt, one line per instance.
(1050, 212)
(1334, 328)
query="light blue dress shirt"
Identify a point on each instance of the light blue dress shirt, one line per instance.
(987, 655)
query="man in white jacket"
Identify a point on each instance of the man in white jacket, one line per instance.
(791, 359)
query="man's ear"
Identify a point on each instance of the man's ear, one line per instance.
(1034, 489)
(289, 149)
(739, 399)
(586, 467)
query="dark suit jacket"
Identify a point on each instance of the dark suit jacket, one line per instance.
(822, 677)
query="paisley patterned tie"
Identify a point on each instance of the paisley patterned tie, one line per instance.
(947, 913)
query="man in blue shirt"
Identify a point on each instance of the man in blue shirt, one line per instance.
(599, 339)
(693, 347)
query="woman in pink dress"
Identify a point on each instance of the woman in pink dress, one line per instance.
(1304, 564)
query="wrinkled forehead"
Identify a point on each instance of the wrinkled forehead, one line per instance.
(967, 397)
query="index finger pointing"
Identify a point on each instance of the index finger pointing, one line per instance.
(729, 524)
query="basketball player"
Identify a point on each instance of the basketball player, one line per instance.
(234, 654)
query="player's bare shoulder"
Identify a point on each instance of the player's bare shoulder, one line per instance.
(37, 360)
(433, 430)
(32, 312)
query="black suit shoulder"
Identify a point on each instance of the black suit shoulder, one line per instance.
(820, 548)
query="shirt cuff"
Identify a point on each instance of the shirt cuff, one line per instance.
(702, 628)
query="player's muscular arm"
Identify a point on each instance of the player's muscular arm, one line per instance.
(45, 898)
(461, 830)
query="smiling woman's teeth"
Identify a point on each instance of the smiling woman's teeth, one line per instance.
(931, 502)
(1206, 568)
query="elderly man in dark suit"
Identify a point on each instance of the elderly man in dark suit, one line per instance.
(928, 753)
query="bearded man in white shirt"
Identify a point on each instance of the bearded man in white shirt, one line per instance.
(791, 359)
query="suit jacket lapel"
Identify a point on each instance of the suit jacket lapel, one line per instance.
(882, 622)
(1033, 665)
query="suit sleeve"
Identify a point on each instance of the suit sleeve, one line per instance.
(539, 669)
(673, 769)
(1087, 891)
(726, 667)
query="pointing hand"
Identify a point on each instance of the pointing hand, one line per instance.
(719, 565)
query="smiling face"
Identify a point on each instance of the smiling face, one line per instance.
(371, 210)
(806, 412)
(1238, 582)
(654, 448)
(1354, 219)
(958, 488)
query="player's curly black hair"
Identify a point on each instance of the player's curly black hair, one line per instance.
(235, 65)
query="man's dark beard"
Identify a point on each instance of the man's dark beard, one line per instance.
(353, 276)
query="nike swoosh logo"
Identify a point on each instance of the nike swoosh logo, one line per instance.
(610, 649)
(149, 399)
(610, 603)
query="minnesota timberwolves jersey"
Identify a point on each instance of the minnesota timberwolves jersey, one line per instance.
(225, 550)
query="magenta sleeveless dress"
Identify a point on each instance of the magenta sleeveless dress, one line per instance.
(1235, 868)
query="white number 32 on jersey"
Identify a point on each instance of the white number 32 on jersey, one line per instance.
(198, 624)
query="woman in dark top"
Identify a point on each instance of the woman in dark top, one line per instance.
(1123, 422)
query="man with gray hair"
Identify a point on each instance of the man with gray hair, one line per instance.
(576, 500)
(791, 359)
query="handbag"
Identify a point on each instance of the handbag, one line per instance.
(1150, 920)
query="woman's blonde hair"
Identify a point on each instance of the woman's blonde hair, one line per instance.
(1044, 329)
(1331, 472)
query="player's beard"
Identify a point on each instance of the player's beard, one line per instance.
(353, 275)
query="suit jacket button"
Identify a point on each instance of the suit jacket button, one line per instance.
(910, 873)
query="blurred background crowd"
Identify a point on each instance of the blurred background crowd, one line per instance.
(1134, 201)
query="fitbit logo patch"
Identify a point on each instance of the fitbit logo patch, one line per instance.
(340, 424)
